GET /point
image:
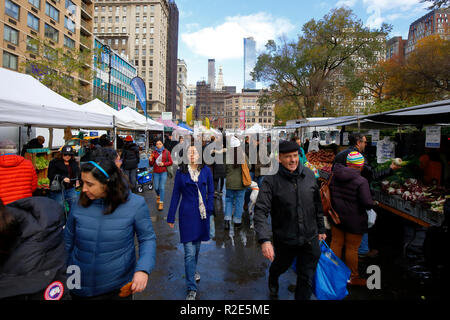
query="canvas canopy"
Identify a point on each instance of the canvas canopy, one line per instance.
(121, 121)
(139, 119)
(26, 101)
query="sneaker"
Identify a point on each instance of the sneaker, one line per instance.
(197, 277)
(191, 295)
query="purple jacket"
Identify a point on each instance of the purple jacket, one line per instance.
(350, 198)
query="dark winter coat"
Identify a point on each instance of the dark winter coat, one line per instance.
(350, 198)
(130, 156)
(192, 227)
(38, 258)
(57, 167)
(368, 172)
(32, 144)
(294, 204)
(103, 246)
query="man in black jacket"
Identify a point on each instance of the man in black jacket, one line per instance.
(130, 160)
(293, 200)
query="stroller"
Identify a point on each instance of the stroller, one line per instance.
(144, 178)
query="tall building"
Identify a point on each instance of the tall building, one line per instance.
(121, 94)
(139, 30)
(248, 101)
(212, 73)
(395, 47)
(182, 84)
(434, 22)
(220, 84)
(249, 62)
(64, 24)
(172, 57)
(191, 95)
(210, 103)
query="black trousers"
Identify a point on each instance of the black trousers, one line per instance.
(307, 256)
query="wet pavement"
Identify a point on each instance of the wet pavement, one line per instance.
(232, 267)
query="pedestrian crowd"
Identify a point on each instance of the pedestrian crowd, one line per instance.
(93, 215)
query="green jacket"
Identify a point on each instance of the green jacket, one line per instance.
(234, 177)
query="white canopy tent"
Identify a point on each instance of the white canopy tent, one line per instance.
(121, 122)
(257, 128)
(25, 101)
(139, 119)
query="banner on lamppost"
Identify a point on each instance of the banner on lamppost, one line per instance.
(138, 86)
(242, 119)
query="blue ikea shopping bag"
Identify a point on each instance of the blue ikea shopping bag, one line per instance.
(332, 275)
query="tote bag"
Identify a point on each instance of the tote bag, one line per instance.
(246, 178)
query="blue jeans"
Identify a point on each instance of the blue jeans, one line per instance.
(131, 174)
(69, 194)
(364, 246)
(191, 251)
(260, 180)
(159, 183)
(234, 199)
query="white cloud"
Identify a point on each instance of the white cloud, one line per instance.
(387, 10)
(393, 9)
(346, 3)
(225, 41)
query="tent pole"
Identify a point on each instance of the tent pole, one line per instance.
(114, 132)
(50, 137)
(20, 141)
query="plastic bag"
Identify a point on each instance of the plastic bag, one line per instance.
(371, 217)
(159, 160)
(332, 275)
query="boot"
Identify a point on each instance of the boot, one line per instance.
(158, 199)
(161, 206)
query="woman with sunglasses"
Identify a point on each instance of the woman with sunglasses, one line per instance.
(100, 233)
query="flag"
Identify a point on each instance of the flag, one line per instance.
(138, 86)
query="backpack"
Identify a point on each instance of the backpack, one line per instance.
(325, 196)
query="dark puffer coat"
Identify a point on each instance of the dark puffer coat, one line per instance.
(350, 198)
(38, 258)
(130, 156)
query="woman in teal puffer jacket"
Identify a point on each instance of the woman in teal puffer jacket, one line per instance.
(100, 231)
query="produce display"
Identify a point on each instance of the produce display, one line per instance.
(44, 183)
(41, 163)
(321, 159)
(406, 184)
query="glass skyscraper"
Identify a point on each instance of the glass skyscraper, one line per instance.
(249, 62)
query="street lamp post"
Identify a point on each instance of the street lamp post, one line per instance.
(108, 50)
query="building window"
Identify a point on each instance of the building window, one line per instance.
(71, 6)
(117, 9)
(136, 52)
(96, 8)
(33, 22)
(145, 8)
(152, 19)
(109, 29)
(110, 9)
(51, 11)
(116, 42)
(35, 3)
(31, 46)
(96, 20)
(138, 9)
(9, 60)
(116, 29)
(151, 40)
(103, 19)
(124, 41)
(95, 30)
(137, 40)
(143, 63)
(102, 30)
(51, 33)
(12, 9)
(152, 30)
(144, 52)
(137, 29)
(124, 19)
(11, 34)
(144, 41)
(69, 43)
(69, 24)
(117, 19)
(103, 8)
(151, 52)
(122, 53)
(152, 8)
(109, 19)
(144, 30)
(144, 19)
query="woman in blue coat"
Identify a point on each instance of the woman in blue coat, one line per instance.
(100, 232)
(194, 184)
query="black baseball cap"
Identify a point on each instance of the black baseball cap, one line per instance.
(67, 150)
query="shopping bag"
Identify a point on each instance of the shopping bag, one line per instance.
(332, 275)
(371, 217)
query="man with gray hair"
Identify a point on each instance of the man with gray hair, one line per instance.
(18, 177)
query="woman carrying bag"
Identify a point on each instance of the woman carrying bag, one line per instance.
(160, 159)
(100, 235)
(64, 172)
(235, 186)
(194, 185)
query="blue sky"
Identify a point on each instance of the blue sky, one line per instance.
(215, 28)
